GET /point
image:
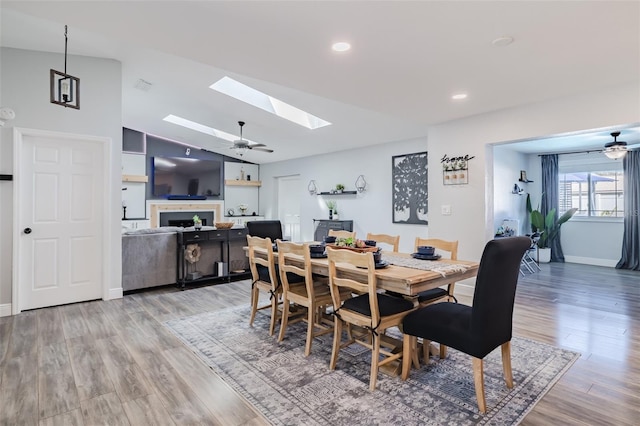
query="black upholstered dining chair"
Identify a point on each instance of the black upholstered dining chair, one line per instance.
(265, 229)
(479, 329)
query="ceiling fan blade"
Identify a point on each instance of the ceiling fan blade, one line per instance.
(255, 145)
(262, 149)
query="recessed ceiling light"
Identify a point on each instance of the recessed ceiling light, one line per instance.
(502, 41)
(459, 96)
(256, 98)
(341, 46)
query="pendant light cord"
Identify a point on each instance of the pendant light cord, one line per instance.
(65, 50)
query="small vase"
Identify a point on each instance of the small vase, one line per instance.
(197, 225)
(336, 216)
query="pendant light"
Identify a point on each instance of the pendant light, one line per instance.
(65, 88)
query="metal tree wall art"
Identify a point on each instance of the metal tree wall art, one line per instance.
(410, 188)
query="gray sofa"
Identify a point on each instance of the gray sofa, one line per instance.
(149, 257)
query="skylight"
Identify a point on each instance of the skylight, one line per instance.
(202, 128)
(244, 93)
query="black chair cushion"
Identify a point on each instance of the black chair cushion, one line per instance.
(448, 323)
(386, 304)
(432, 294)
(263, 274)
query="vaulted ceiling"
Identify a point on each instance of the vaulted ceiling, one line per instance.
(407, 60)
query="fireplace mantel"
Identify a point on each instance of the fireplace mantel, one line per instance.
(155, 207)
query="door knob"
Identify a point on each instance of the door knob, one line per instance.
(27, 230)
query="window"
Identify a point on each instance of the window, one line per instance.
(594, 194)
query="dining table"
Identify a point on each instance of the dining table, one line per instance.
(418, 276)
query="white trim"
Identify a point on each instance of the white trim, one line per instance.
(114, 293)
(611, 263)
(5, 310)
(107, 243)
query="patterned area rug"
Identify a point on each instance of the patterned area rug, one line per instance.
(289, 389)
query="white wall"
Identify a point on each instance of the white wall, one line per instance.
(472, 206)
(507, 164)
(24, 87)
(370, 210)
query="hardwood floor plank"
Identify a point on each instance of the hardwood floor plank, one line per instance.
(70, 418)
(114, 350)
(24, 335)
(73, 322)
(128, 380)
(57, 391)
(182, 403)
(90, 373)
(5, 337)
(227, 407)
(147, 410)
(19, 391)
(49, 326)
(104, 410)
(97, 322)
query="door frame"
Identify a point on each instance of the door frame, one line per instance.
(107, 243)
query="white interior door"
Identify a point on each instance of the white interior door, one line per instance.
(289, 206)
(59, 213)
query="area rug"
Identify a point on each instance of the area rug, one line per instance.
(289, 389)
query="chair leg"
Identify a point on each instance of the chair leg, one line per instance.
(255, 295)
(478, 379)
(337, 337)
(443, 351)
(312, 316)
(408, 352)
(285, 319)
(375, 360)
(274, 315)
(426, 349)
(506, 364)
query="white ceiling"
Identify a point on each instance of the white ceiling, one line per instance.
(407, 59)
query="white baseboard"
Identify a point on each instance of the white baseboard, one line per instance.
(115, 293)
(611, 263)
(5, 310)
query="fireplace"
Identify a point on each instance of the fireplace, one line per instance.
(162, 211)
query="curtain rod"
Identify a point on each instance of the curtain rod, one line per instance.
(572, 152)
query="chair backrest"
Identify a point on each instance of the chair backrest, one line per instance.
(289, 257)
(449, 246)
(265, 229)
(262, 258)
(341, 264)
(341, 234)
(495, 291)
(392, 240)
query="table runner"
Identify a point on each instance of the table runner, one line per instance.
(438, 266)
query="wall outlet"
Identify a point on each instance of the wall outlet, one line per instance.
(446, 210)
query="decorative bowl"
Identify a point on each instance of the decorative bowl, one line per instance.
(426, 250)
(329, 239)
(224, 225)
(371, 243)
(316, 248)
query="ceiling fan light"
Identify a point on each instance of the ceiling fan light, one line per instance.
(615, 152)
(240, 150)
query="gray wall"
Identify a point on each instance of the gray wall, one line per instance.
(24, 87)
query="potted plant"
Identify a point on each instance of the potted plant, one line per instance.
(547, 227)
(333, 209)
(197, 222)
(339, 188)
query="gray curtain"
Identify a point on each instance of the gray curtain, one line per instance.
(631, 239)
(550, 199)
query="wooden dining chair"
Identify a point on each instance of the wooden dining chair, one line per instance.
(392, 240)
(478, 329)
(435, 294)
(373, 312)
(294, 260)
(265, 275)
(342, 234)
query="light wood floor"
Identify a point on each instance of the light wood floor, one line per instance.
(113, 362)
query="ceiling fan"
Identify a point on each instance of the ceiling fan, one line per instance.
(241, 145)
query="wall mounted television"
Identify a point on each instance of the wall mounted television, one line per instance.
(186, 177)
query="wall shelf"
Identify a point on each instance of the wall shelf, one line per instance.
(231, 182)
(135, 178)
(338, 193)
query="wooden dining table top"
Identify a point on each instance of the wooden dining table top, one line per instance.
(401, 279)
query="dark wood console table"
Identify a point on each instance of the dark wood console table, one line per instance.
(322, 227)
(220, 245)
